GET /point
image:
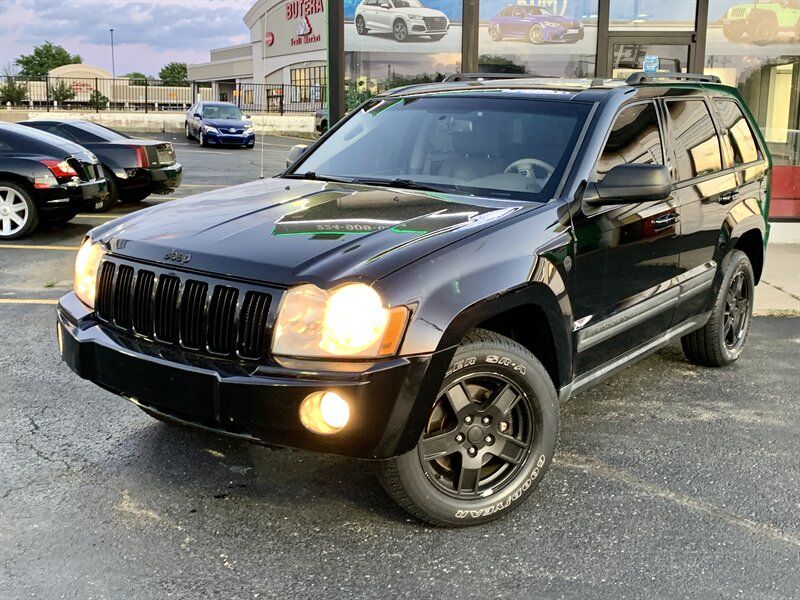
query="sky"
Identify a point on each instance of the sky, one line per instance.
(147, 34)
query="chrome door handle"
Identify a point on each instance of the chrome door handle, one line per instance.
(664, 221)
(728, 197)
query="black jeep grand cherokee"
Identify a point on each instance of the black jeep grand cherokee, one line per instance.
(430, 280)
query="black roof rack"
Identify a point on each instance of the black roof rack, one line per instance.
(483, 76)
(642, 77)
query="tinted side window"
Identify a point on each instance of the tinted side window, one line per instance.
(738, 138)
(634, 138)
(696, 142)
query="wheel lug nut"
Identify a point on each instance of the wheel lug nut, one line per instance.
(472, 451)
(503, 426)
(460, 438)
(489, 439)
(486, 420)
(468, 419)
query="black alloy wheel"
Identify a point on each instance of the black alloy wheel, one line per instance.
(736, 319)
(478, 435)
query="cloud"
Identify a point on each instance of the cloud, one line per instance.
(146, 34)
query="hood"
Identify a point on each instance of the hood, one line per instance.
(423, 12)
(238, 123)
(286, 231)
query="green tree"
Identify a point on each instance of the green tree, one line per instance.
(98, 100)
(13, 91)
(492, 63)
(174, 73)
(137, 78)
(44, 59)
(60, 92)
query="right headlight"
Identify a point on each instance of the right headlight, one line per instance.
(348, 321)
(87, 263)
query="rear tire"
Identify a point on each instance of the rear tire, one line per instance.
(18, 213)
(763, 31)
(489, 439)
(721, 340)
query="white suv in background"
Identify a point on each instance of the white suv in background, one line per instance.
(401, 18)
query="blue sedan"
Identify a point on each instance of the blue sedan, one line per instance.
(219, 123)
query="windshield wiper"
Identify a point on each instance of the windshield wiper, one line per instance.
(407, 184)
(310, 175)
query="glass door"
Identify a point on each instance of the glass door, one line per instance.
(626, 52)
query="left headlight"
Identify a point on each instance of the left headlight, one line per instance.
(348, 321)
(249, 129)
(86, 266)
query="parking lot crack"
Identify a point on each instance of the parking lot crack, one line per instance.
(597, 468)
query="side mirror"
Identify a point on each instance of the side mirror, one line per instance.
(248, 117)
(197, 115)
(630, 184)
(386, 5)
(295, 153)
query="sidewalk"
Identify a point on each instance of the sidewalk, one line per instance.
(779, 289)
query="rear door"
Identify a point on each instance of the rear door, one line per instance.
(709, 186)
(627, 254)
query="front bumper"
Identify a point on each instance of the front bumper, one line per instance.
(389, 399)
(560, 34)
(71, 197)
(229, 139)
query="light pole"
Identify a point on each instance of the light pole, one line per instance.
(113, 67)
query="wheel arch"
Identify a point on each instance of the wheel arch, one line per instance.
(533, 316)
(745, 229)
(20, 180)
(751, 242)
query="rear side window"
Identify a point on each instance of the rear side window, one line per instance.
(738, 137)
(696, 143)
(634, 138)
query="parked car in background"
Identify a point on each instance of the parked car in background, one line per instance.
(219, 123)
(401, 18)
(762, 21)
(134, 168)
(44, 178)
(534, 23)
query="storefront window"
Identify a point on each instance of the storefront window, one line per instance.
(755, 46)
(390, 43)
(538, 37)
(653, 15)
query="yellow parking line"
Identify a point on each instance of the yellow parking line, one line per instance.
(27, 301)
(107, 217)
(32, 247)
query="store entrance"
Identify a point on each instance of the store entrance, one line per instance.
(627, 52)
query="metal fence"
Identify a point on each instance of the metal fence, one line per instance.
(152, 95)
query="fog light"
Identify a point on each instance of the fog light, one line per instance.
(324, 412)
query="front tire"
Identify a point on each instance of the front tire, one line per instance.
(203, 141)
(188, 133)
(361, 27)
(495, 33)
(489, 439)
(536, 35)
(721, 341)
(400, 30)
(18, 213)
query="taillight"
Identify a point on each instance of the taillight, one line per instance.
(60, 168)
(141, 157)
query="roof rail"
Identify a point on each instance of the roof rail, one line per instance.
(642, 77)
(483, 76)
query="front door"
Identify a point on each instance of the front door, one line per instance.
(627, 255)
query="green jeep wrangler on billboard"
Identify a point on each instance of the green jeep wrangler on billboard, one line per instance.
(762, 21)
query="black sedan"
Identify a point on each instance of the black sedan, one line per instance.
(135, 168)
(44, 178)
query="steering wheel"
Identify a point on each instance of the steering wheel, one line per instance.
(527, 166)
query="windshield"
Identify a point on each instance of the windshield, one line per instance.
(499, 147)
(221, 111)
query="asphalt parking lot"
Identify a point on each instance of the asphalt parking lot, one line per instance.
(671, 481)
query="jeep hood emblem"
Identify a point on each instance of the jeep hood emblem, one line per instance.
(178, 257)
